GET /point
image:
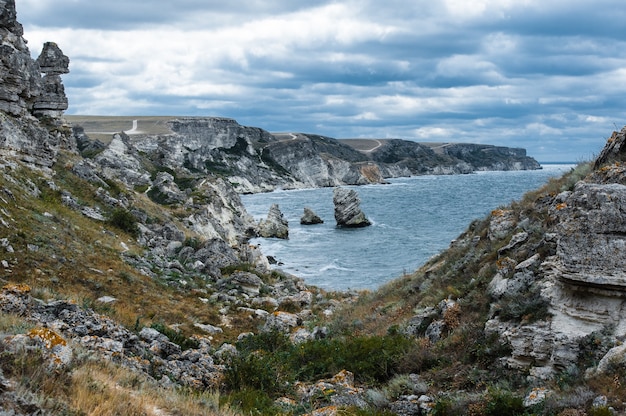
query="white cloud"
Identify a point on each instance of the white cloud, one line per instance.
(486, 70)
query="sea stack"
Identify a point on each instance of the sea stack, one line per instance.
(347, 209)
(309, 217)
(275, 226)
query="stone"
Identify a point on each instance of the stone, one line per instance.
(209, 328)
(281, 321)
(242, 282)
(536, 396)
(515, 241)
(309, 217)
(151, 334)
(501, 223)
(275, 225)
(347, 209)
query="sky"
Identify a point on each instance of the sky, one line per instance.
(545, 75)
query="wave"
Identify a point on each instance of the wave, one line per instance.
(333, 266)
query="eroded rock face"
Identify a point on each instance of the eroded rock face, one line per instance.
(592, 236)
(21, 79)
(348, 209)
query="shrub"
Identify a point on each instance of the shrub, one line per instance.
(253, 402)
(255, 371)
(503, 402)
(125, 221)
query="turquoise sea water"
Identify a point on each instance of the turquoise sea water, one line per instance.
(413, 219)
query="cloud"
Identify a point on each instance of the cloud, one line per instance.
(522, 73)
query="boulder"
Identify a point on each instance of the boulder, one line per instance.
(309, 217)
(275, 226)
(347, 209)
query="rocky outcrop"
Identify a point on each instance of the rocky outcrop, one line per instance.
(348, 209)
(52, 101)
(23, 92)
(275, 225)
(309, 217)
(20, 75)
(614, 151)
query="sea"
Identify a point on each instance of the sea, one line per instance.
(413, 219)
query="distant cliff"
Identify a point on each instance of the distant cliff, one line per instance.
(254, 160)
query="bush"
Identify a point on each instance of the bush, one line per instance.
(503, 402)
(125, 221)
(253, 402)
(371, 359)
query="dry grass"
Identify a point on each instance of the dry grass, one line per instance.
(90, 385)
(102, 389)
(63, 254)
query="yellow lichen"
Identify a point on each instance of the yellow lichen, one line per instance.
(561, 206)
(16, 288)
(49, 338)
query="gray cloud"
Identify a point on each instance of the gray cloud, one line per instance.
(548, 77)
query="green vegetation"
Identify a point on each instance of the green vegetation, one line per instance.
(125, 221)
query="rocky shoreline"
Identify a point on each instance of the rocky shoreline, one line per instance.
(136, 254)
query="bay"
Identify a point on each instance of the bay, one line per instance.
(413, 219)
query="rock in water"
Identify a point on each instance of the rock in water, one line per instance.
(275, 225)
(347, 209)
(310, 217)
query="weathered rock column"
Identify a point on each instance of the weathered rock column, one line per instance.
(347, 209)
(275, 225)
(52, 101)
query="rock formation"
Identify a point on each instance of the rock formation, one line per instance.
(348, 209)
(52, 101)
(309, 217)
(614, 151)
(21, 79)
(23, 92)
(275, 225)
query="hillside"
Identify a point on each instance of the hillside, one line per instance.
(129, 286)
